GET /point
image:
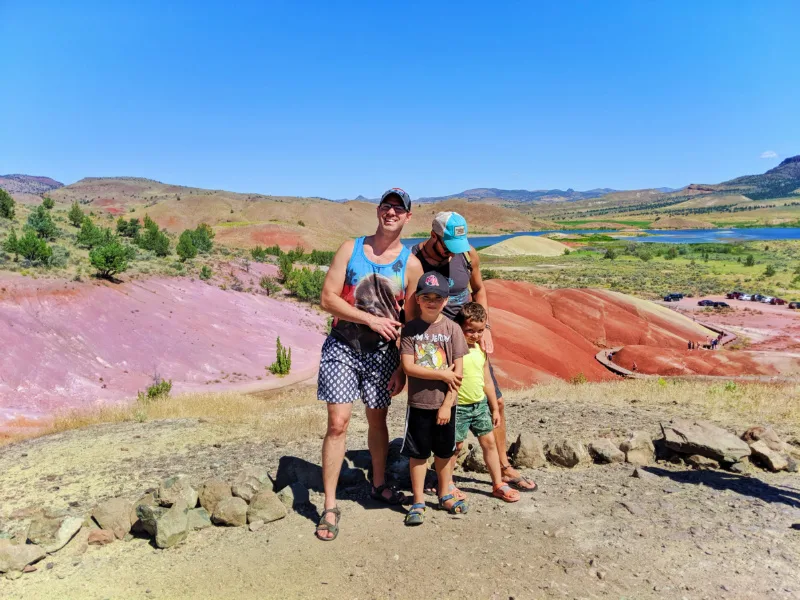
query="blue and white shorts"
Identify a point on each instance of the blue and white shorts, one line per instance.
(345, 374)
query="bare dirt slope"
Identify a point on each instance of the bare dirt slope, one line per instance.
(594, 532)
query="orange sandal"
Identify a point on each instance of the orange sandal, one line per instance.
(505, 493)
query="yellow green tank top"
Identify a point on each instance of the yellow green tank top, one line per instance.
(471, 390)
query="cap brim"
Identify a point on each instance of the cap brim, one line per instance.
(457, 245)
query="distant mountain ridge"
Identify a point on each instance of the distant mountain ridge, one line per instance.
(779, 182)
(28, 184)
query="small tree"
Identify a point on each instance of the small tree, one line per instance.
(269, 285)
(749, 261)
(75, 215)
(769, 271)
(109, 259)
(122, 226)
(11, 245)
(186, 248)
(283, 360)
(610, 254)
(672, 253)
(48, 203)
(41, 222)
(7, 205)
(36, 250)
(205, 273)
(259, 254)
(286, 267)
(90, 234)
(202, 238)
(132, 231)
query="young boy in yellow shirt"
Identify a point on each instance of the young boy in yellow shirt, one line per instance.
(477, 409)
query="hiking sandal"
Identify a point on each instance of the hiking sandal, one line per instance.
(505, 493)
(460, 507)
(395, 499)
(522, 483)
(459, 495)
(415, 515)
(324, 525)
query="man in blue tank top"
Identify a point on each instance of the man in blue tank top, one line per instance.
(448, 252)
(365, 290)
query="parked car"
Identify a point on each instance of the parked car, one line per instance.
(746, 297)
(767, 299)
(721, 305)
(672, 297)
(794, 305)
(757, 297)
(734, 295)
(778, 301)
(706, 303)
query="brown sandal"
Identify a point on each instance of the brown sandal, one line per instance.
(324, 525)
(522, 483)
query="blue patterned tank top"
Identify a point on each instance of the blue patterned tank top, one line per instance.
(374, 288)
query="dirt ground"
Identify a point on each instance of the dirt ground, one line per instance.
(592, 532)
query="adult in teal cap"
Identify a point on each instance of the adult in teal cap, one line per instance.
(448, 252)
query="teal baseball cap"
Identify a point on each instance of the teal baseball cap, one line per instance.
(452, 228)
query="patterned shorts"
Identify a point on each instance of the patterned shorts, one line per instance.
(345, 374)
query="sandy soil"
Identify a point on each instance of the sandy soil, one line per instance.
(526, 245)
(591, 532)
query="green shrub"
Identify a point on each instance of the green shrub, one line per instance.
(489, 274)
(578, 379)
(33, 248)
(132, 230)
(610, 254)
(41, 222)
(296, 254)
(205, 273)
(321, 257)
(283, 360)
(749, 261)
(90, 236)
(269, 285)
(301, 223)
(566, 251)
(7, 205)
(75, 215)
(109, 259)
(11, 245)
(186, 248)
(48, 203)
(672, 253)
(274, 250)
(122, 226)
(202, 238)
(306, 284)
(153, 239)
(158, 391)
(769, 271)
(285, 267)
(259, 254)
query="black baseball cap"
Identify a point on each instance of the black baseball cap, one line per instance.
(401, 194)
(433, 283)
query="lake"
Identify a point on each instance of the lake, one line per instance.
(669, 236)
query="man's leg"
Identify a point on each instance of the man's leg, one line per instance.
(378, 443)
(333, 448)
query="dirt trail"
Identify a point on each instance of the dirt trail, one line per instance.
(594, 532)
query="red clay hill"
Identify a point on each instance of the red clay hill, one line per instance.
(543, 334)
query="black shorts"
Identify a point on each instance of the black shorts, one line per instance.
(424, 436)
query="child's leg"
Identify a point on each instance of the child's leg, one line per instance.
(418, 467)
(442, 466)
(491, 458)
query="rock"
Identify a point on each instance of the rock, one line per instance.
(568, 453)
(633, 508)
(199, 518)
(792, 465)
(256, 525)
(605, 452)
(78, 545)
(265, 506)
(146, 500)
(701, 462)
(474, 461)
(638, 449)
(231, 512)
(15, 557)
(177, 491)
(294, 496)
(52, 534)
(528, 452)
(212, 491)
(101, 537)
(114, 515)
(769, 458)
(149, 515)
(766, 435)
(249, 481)
(172, 527)
(701, 437)
(640, 473)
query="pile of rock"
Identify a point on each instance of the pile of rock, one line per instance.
(698, 444)
(167, 514)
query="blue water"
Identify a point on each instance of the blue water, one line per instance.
(686, 236)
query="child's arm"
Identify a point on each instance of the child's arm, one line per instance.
(443, 416)
(488, 389)
(449, 376)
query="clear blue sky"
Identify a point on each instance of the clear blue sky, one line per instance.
(336, 99)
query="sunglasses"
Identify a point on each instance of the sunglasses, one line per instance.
(399, 209)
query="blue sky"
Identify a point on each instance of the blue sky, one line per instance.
(337, 99)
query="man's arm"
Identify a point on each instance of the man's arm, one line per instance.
(480, 296)
(333, 303)
(413, 273)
